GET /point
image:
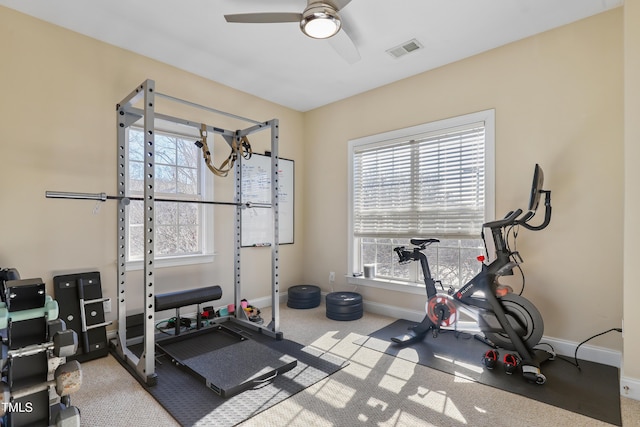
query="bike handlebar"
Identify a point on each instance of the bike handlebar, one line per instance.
(509, 219)
(512, 217)
(547, 215)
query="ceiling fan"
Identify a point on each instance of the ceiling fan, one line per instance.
(319, 20)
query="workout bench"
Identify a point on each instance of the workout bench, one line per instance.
(176, 300)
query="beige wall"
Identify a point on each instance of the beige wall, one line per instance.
(631, 291)
(58, 132)
(558, 102)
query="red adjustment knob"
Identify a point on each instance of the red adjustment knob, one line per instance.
(480, 258)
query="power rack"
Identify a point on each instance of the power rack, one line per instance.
(143, 363)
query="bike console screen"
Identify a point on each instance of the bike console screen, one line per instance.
(534, 201)
(536, 188)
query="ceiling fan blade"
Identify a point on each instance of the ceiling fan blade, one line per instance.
(340, 4)
(344, 45)
(264, 18)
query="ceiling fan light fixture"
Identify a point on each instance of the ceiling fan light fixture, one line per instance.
(320, 22)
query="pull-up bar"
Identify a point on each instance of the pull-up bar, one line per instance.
(103, 197)
(212, 110)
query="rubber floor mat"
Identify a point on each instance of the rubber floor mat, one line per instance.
(593, 391)
(191, 403)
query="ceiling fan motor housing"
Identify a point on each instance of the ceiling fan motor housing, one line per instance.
(320, 20)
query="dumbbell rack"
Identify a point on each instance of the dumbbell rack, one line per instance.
(36, 379)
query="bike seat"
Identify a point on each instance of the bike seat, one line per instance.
(421, 242)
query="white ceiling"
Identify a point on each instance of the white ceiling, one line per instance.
(279, 63)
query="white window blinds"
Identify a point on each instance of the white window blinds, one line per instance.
(425, 186)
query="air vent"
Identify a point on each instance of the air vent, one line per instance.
(406, 47)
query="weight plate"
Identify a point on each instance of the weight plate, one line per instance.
(343, 298)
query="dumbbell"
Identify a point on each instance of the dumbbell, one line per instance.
(63, 344)
(55, 325)
(67, 380)
(50, 310)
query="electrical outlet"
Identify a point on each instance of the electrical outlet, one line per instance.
(332, 276)
(107, 306)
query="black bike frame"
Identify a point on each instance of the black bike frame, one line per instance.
(484, 281)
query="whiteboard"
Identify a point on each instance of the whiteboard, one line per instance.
(257, 225)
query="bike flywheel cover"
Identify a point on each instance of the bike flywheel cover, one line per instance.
(444, 303)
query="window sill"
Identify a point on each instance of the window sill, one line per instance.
(178, 261)
(390, 285)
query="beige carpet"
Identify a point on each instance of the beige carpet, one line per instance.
(374, 390)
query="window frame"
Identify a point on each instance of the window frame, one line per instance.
(205, 190)
(409, 133)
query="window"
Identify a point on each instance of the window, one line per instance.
(181, 228)
(431, 181)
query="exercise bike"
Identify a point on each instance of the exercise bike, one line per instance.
(507, 320)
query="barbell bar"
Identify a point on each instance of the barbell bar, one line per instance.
(103, 197)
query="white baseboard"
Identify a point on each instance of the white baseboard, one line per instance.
(588, 352)
(393, 311)
(630, 387)
(266, 301)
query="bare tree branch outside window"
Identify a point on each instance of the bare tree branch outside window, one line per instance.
(177, 176)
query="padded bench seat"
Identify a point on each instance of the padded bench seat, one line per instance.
(183, 298)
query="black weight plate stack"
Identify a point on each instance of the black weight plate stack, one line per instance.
(303, 296)
(344, 306)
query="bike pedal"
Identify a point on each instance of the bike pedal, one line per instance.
(510, 362)
(490, 359)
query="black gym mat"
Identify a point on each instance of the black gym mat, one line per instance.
(593, 391)
(191, 403)
(230, 369)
